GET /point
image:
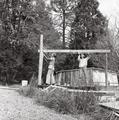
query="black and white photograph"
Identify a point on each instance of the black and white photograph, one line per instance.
(59, 59)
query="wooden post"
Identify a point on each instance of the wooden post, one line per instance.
(40, 61)
(106, 70)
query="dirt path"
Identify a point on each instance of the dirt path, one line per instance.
(16, 107)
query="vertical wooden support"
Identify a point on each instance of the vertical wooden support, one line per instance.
(71, 79)
(40, 61)
(106, 70)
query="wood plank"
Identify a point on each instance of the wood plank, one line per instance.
(76, 51)
(93, 68)
(105, 93)
(59, 80)
(40, 61)
(72, 82)
(106, 68)
(112, 105)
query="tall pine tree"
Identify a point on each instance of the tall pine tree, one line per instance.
(64, 14)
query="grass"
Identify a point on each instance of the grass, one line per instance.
(28, 91)
(67, 103)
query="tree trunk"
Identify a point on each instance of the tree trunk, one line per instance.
(63, 28)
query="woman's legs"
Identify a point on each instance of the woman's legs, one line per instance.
(50, 77)
(85, 74)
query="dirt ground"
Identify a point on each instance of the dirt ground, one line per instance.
(16, 107)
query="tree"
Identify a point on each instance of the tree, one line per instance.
(89, 24)
(22, 21)
(110, 41)
(64, 11)
(88, 27)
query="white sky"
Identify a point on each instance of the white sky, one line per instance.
(110, 9)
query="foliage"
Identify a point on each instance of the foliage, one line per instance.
(103, 114)
(28, 91)
(66, 61)
(106, 42)
(22, 21)
(33, 81)
(89, 24)
(82, 105)
(63, 101)
(88, 27)
(63, 10)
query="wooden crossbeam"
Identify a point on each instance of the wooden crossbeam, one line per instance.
(76, 51)
(102, 93)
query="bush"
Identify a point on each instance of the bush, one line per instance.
(103, 114)
(62, 101)
(67, 102)
(28, 91)
(33, 81)
(85, 102)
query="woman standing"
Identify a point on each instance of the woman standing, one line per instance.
(50, 74)
(83, 61)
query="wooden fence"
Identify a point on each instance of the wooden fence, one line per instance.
(76, 78)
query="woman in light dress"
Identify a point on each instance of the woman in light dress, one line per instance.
(50, 74)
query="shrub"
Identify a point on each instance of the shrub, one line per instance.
(102, 114)
(67, 102)
(33, 81)
(62, 101)
(85, 102)
(28, 91)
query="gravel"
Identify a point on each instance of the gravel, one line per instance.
(16, 107)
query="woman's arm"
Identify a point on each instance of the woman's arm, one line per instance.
(88, 56)
(79, 57)
(51, 58)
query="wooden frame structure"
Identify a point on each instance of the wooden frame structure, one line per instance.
(41, 50)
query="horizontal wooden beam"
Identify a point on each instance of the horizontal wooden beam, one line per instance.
(81, 91)
(76, 51)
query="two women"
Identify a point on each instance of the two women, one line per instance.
(83, 61)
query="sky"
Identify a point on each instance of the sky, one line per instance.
(110, 9)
